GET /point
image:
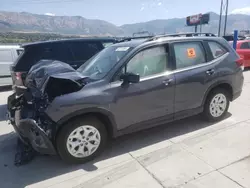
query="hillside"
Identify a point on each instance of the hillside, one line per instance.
(77, 25)
(13, 21)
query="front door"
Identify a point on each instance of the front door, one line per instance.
(150, 100)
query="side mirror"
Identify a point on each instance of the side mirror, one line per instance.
(130, 78)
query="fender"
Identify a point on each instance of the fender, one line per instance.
(214, 85)
(98, 110)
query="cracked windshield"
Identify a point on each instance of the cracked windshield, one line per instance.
(127, 94)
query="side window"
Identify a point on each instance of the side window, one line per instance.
(56, 51)
(149, 62)
(216, 49)
(83, 51)
(245, 45)
(5, 56)
(189, 54)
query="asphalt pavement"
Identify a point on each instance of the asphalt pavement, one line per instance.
(188, 154)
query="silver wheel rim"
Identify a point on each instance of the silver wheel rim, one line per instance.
(218, 105)
(83, 141)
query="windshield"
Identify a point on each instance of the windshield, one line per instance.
(99, 65)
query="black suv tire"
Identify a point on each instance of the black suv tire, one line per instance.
(62, 140)
(207, 112)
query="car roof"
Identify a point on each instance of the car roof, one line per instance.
(10, 47)
(242, 41)
(87, 39)
(132, 43)
(135, 43)
(186, 38)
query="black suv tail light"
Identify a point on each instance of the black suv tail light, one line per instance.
(18, 76)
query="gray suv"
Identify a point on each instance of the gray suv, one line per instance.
(126, 87)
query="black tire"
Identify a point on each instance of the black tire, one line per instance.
(67, 129)
(206, 112)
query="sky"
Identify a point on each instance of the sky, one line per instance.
(121, 12)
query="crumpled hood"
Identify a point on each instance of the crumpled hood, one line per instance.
(54, 77)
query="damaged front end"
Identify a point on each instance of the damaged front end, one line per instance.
(45, 81)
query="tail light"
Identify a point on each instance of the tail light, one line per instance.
(18, 75)
(240, 62)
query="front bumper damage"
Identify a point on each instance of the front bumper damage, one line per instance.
(28, 130)
(45, 81)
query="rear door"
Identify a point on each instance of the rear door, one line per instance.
(83, 51)
(193, 75)
(244, 51)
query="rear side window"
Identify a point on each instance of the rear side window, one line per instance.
(55, 51)
(5, 56)
(189, 54)
(245, 45)
(216, 49)
(83, 51)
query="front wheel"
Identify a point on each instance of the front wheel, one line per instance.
(81, 140)
(216, 105)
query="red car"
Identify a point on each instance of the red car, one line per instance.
(243, 49)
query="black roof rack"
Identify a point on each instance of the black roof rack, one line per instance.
(182, 35)
(124, 39)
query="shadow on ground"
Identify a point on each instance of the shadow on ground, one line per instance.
(47, 167)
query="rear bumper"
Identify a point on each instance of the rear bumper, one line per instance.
(29, 131)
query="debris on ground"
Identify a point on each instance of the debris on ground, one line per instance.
(24, 154)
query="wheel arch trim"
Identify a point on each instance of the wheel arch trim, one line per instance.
(92, 111)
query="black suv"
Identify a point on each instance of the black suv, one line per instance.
(126, 87)
(72, 51)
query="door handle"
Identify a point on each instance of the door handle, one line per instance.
(167, 82)
(210, 72)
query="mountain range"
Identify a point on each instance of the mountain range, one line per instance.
(77, 25)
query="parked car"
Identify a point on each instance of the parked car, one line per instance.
(127, 87)
(231, 37)
(243, 49)
(8, 54)
(75, 52)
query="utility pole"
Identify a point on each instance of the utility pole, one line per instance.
(225, 26)
(223, 11)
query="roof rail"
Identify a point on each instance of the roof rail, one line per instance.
(124, 39)
(182, 35)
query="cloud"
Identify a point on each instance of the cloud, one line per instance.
(142, 8)
(49, 14)
(160, 3)
(245, 10)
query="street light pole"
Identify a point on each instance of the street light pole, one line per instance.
(220, 17)
(225, 26)
(223, 9)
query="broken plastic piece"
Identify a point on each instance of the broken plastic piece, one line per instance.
(24, 154)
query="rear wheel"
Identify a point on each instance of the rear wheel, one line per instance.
(217, 104)
(81, 140)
